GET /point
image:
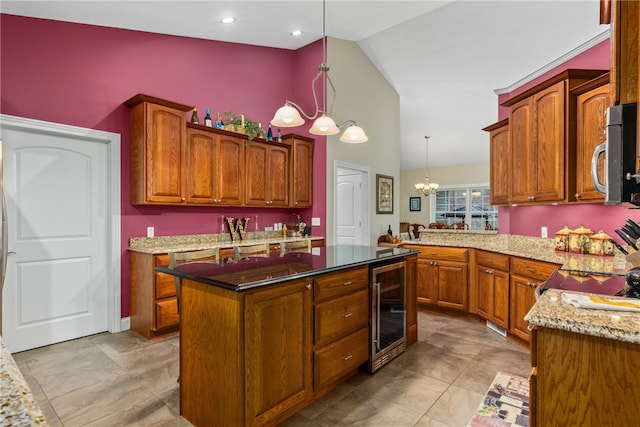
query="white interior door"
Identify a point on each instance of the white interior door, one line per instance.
(57, 193)
(349, 219)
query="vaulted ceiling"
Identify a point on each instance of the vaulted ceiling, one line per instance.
(444, 58)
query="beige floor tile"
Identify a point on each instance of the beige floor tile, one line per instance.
(456, 406)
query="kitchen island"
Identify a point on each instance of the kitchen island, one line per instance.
(261, 338)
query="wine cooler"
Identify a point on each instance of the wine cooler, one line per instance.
(387, 314)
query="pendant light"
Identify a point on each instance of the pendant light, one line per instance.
(425, 188)
(289, 114)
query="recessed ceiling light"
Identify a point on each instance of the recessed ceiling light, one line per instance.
(296, 33)
(228, 20)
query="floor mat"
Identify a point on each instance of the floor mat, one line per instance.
(506, 403)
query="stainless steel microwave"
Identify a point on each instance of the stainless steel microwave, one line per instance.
(620, 150)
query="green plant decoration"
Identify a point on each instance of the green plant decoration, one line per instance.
(251, 129)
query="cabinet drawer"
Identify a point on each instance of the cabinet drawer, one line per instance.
(167, 313)
(444, 253)
(492, 260)
(341, 283)
(164, 283)
(537, 270)
(335, 360)
(340, 316)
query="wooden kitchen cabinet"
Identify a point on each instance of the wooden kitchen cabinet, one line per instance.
(341, 325)
(229, 172)
(158, 132)
(301, 171)
(278, 351)
(625, 66)
(526, 275)
(500, 159)
(542, 139)
(593, 98)
(267, 182)
(154, 307)
(442, 276)
(492, 283)
(583, 380)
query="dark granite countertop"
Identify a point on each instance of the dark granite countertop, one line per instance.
(249, 273)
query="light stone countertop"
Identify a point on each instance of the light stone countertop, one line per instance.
(535, 248)
(551, 312)
(17, 404)
(194, 242)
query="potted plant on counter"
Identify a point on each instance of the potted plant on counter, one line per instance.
(239, 124)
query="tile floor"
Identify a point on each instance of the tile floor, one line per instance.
(124, 380)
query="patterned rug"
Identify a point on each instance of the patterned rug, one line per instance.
(506, 403)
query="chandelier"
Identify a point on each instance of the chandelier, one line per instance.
(288, 115)
(425, 188)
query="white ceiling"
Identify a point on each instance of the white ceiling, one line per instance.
(444, 58)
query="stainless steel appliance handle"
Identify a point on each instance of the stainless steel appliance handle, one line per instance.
(594, 168)
(376, 287)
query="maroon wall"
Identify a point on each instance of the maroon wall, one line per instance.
(81, 74)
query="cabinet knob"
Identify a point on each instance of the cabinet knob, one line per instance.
(308, 286)
(183, 199)
(531, 284)
(488, 271)
(577, 196)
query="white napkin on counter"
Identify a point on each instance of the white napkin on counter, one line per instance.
(601, 303)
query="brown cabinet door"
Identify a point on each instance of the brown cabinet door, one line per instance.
(522, 171)
(165, 132)
(522, 298)
(199, 167)
(427, 272)
(302, 174)
(229, 171)
(500, 157)
(452, 285)
(484, 284)
(591, 125)
(267, 175)
(550, 144)
(278, 176)
(277, 351)
(500, 313)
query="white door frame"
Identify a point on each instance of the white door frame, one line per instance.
(114, 292)
(366, 197)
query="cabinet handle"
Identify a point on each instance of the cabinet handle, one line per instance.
(347, 283)
(531, 269)
(347, 357)
(347, 314)
(531, 285)
(308, 286)
(433, 253)
(488, 271)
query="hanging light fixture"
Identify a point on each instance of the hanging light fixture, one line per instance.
(289, 114)
(425, 188)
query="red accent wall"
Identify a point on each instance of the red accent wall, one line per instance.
(81, 74)
(527, 220)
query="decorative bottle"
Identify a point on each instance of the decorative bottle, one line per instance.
(219, 124)
(279, 137)
(269, 134)
(194, 116)
(389, 232)
(207, 118)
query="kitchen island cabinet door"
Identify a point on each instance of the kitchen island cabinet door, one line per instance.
(522, 299)
(278, 351)
(452, 285)
(425, 284)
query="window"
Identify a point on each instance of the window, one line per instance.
(466, 205)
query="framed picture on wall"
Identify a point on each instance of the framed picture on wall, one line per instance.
(414, 204)
(384, 194)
